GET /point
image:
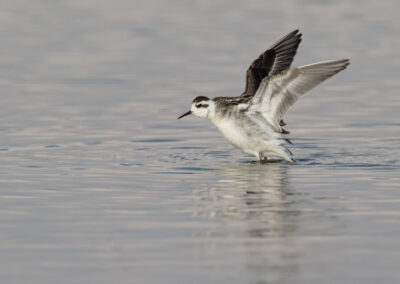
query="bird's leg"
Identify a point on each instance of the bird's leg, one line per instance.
(262, 158)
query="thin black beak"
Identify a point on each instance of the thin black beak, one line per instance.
(185, 114)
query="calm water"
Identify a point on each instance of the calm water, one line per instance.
(99, 183)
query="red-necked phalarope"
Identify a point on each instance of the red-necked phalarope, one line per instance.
(253, 121)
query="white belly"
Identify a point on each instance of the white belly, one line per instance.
(252, 135)
(237, 136)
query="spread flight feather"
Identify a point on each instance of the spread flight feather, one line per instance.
(277, 93)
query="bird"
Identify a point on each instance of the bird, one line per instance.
(253, 121)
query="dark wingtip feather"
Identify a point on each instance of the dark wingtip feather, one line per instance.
(274, 60)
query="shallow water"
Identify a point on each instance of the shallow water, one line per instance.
(99, 183)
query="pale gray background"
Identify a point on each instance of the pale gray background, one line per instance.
(99, 183)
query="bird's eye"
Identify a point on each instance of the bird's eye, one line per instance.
(200, 105)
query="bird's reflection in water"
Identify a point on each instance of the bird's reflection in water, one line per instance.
(253, 193)
(248, 219)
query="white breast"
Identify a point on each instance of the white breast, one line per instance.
(235, 133)
(248, 131)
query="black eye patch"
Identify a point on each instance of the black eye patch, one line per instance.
(200, 105)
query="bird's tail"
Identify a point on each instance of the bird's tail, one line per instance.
(278, 149)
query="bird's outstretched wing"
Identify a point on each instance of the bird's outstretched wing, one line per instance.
(277, 93)
(274, 60)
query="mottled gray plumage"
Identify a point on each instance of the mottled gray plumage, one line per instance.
(275, 59)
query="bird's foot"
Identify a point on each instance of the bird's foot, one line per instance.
(262, 158)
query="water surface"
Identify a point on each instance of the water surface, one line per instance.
(99, 183)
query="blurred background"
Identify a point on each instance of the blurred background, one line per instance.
(100, 183)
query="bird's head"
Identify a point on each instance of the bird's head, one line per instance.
(201, 107)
